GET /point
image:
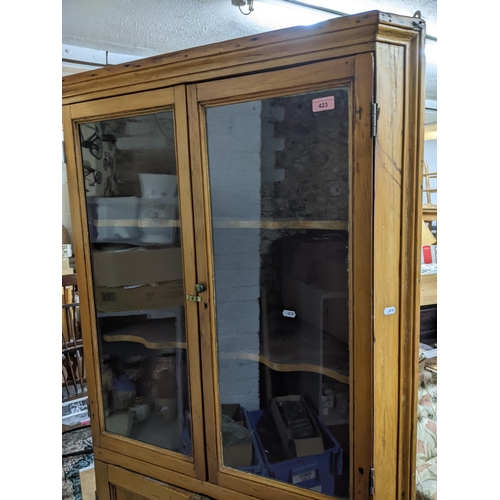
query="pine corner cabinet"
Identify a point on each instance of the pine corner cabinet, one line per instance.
(246, 223)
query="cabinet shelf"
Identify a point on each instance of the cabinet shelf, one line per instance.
(335, 225)
(171, 312)
(135, 223)
(155, 334)
(301, 347)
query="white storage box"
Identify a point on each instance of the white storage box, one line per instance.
(158, 220)
(134, 220)
(114, 220)
(76, 411)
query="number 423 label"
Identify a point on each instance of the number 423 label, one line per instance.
(323, 103)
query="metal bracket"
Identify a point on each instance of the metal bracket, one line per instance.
(198, 288)
(374, 113)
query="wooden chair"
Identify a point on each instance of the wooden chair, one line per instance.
(73, 369)
(429, 209)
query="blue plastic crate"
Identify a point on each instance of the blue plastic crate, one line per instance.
(257, 465)
(315, 470)
(325, 485)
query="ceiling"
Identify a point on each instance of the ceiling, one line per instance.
(96, 32)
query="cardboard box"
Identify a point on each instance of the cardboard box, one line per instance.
(138, 298)
(326, 310)
(237, 455)
(297, 447)
(119, 423)
(321, 263)
(233, 411)
(135, 267)
(336, 318)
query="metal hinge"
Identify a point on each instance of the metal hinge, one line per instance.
(64, 151)
(372, 481)
(374, 114)
(193, 298)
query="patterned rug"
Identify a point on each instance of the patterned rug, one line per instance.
(73, 461)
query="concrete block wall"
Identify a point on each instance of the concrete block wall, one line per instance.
(234, 145)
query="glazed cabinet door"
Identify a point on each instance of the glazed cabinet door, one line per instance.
(282, 180)
(129, 183)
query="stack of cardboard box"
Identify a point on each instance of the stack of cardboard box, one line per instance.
(138, 279)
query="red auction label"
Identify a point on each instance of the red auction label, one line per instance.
(323, 103)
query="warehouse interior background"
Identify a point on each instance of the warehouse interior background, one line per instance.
(124, 30)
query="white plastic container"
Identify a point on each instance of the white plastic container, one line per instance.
(115, 219)
(158, 209)
(158, 185)
(158, 220)
(76, 411)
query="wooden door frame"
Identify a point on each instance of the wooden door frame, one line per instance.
(169, 99)
(358, 73)
(400, 82)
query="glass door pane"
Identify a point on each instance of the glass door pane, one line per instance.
(280, 200)
(129, 167)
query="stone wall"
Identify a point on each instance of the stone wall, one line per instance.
(306, 177)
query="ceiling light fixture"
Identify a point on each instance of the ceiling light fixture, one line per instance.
(241, 3)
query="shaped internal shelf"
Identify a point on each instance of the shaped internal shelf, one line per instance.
(336, 225)
(293, 345)
(299, 346)
(154, 334)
